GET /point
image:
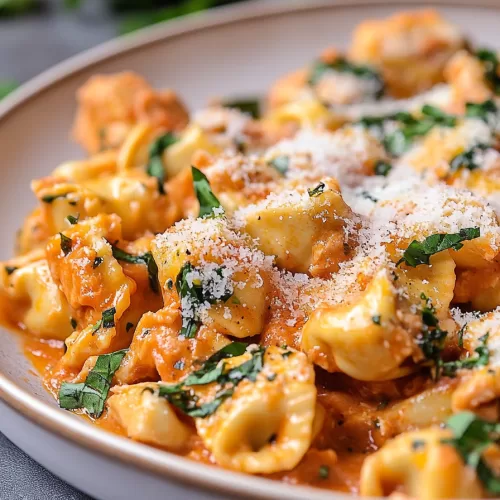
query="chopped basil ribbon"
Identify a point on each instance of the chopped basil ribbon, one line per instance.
(155, 165)
(419, 252)
(66, 244)
(471, 436)
(400, 140)
(319, 189)
(72, 219)
(467, 158)
(490, 63)
(49, 198)
(280, 163)
(193, 293)
(382, 168)
(207, 199)
(450, 368)
(432, 337)
(146, 259)
(91, 394)
(483, 110)
(249, 106)
(107, 320)
(341, 65)
(214, 372)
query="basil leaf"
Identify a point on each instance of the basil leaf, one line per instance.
(419, 252)
(432, 337)
(207, 199)
(249, 106)
(146, 258)
(467, 158)
(280, 163)
(382, 168)
(66, 244)
(482, 110)
(471, 436)
(49, 198)
(319, 189)
(108, 317)
(155, 165)
(341, 65)
(450, 368)
(490, 62)
(194, 294)
(91, 394)
(213, 371)
(73, 220)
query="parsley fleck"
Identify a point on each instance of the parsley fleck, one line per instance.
(324, 471)
(72, 219)
(419, 252)
(74, 323)
(66, 244)
(460, 335)
(382, 168)
(280, 163)
(417, 444)
(467, 159)
(376, 319)
(450, 368)
(10, 269)
(91, 394)
(97, 262)
(319, 189)
(484, 110)
(49, 198)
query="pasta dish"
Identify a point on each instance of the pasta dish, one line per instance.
(309, 293)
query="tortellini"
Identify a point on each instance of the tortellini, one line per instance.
(421, 465)
(231, 276)
(267, 425)
(364, 339)
(39, 304)
(147, 417)
(308, 232)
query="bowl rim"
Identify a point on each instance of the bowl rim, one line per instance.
(75, 429)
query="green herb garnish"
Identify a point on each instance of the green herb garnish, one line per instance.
(72, 219)
(10, 269)
(324, 471)
(484, 110)
(490, 62)
(193, 293)
(182, 396)
(66, 244)
(280, 163)
(49, 198)
(155, 164)
(319, 189)
(91, 394)
(382, 168)
(207, 199)
(341, 65)
(419, 252)
(450, 368)
(471, 436)
(249, 106)
(146, 258)
(376, 319)
(467, 158)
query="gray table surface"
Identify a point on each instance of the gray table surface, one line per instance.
(29, 45)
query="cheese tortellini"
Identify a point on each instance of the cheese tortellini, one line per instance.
(304, 287)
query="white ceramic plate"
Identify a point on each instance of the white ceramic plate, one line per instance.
(239, 49)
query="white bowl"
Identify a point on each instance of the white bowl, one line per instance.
(239, 49)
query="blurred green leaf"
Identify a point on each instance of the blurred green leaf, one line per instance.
(143, 19)
(6, 87)
(14, 7)
(72, 4)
